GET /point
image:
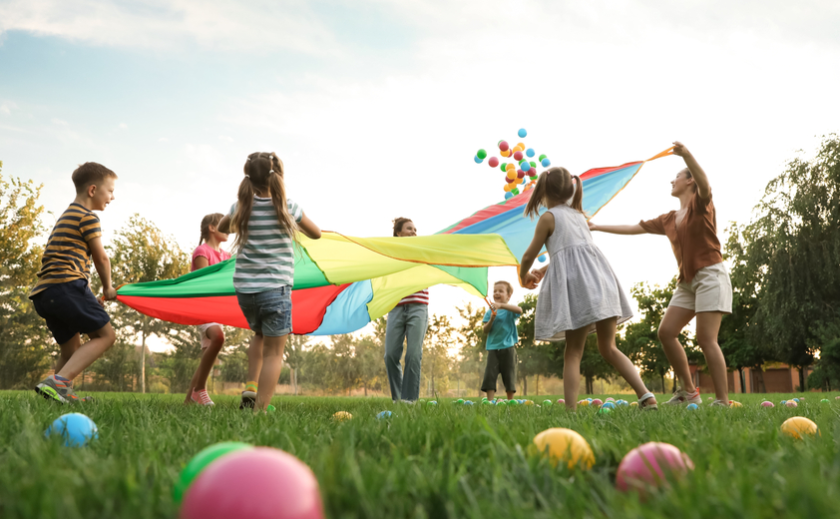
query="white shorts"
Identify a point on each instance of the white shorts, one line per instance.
(205, 340)
(709, 291)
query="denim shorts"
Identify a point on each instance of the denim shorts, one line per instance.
(268, 313)
(70, 308)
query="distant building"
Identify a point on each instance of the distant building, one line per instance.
(776, 377)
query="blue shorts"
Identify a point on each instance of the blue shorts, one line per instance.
(70, 308)
(268, 313)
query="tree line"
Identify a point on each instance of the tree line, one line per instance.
(784, 266)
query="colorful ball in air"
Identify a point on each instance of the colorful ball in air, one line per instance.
(541, 259)
(608, 405)
(342, 416)
(515, 191)
(384, 415)
(567, 446)
(517, 155)
(541, 157)
(506, 153)
(508, 195)
(199, 462)
(258, 483)
(596, 402)
(493, 162)
(503, 166)
(522, 133)
(798, 427)
(534, 178)
(530, 152)
(477, 160)
(791, 403)
(525, 166)
(825, 401)
(520, 174)
(767, 404)
(481, 154)
(651, 465)
(504, 146)
(561, 401)
(431, 403)
(692, 407)
(511, 174)
(76, 429)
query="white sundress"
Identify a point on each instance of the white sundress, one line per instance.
(580, 288)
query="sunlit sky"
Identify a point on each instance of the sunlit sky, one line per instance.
(377, 107)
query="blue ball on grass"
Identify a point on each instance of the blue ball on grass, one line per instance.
(384, 414)
(692, 407)
(76, 429)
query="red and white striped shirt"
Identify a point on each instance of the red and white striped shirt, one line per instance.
(421, 297)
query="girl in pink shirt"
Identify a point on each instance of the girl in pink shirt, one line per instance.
(207, 253)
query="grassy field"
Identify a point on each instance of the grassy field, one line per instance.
(449, 461)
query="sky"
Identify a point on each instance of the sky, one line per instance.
(378, 107)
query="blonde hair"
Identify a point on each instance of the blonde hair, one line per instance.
(263, 171)
(557, 185)
(206, 222)
(506, 284)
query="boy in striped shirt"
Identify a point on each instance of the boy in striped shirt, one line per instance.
(62, 295)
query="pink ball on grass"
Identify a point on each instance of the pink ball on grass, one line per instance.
(791, 403)
(597, 402)
(650, 465)
(767, 404)
(260, 483)
(561, 401)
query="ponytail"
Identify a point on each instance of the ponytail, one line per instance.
(555, 186)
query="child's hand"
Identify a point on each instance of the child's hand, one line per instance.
(530, 281)
(680, 150)
(592, 226)
(109, 294)
(539, 274)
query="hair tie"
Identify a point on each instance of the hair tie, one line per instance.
(247, 176)
(270, 172)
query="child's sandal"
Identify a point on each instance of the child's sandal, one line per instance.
(647, 402)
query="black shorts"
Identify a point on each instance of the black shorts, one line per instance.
(70, 308)
(504, 362)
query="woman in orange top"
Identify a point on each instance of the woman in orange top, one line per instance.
(703, 288)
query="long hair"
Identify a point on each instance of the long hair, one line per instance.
(263, 171)
(555, 187)
(398, 224)
(206, 222)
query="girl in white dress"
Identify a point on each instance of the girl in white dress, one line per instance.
(580, 294)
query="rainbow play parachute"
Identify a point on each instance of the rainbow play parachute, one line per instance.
(342, 283)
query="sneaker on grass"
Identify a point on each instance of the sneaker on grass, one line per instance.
(52, 388)
(201, 397)
(249, 399)
(719, 403)
(683, 397)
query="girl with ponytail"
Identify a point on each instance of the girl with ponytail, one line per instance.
(580, 294)
(265, 222)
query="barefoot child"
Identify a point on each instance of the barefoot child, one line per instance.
(704, 290)
(580, 293)
(265, 222)
(207, 253)
(502, 336)
(62, 295)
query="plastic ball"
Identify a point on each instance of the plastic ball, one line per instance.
(767, 404)
(517, 155)
(561, 401)
(692, 407)
(493, 162)
(505, 153)
(384, 414)
(503, 166)
(605, 410)
(469, 402)
(565, 445)
(508, 195)
(583, 402)
(504, 146)
(528, 402)
(515, 191)
(271, 409)
(513, 403)
(520, 174)
(547, 402)
(421, 401)
(341, 416)
(286, 487)
(521, 146)
(825, 401)
(199, 462)
(522, 133)
(500, 402)
(534, 178)
(76, 429)
(510, 167)
(608, 405)
(525, 166)
(622, 402)
(486, 402)
(796, 400)
(481, 154)
(530, 152)
(651, 464)
(837, 397)
(477, 160)
(597, 402)
(609, 399)
(633, 404)
(799, 426)
(541, 259)
(545, 163)
(791, 403)
(431, 403)
(541, 157)
(783, 402)
(511, 174)
(459, 401)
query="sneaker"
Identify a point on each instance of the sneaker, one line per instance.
(408, 401)
(648, 403)
(201, 397)
(53, 389)
(682, 397)
(719, 403)
(249, 399)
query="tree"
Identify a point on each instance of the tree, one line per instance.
(25, 341)
(436, 361)
(369, 366)
(294, 356)
(141, 252)
(795, 246)
(532, 359)
(473, 342)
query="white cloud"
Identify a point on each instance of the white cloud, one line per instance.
(59, 122)
(225, 138)
(123, 126)
(163, 139)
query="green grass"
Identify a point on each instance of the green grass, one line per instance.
(449, 461)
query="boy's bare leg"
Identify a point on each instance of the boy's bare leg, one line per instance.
(86, 354)
(66, 351)
(491, 395)
(575, 342)
(255, 358)
(510, 394)
(273, 348)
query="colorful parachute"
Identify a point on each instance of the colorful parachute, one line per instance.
(342, 283)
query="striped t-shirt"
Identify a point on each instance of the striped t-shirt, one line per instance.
(267, 260)
(421, 297)
(67, 254)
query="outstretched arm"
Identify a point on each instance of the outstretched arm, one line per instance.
(545, 226)
(309, 228)
(617, 229)
(697, 173)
